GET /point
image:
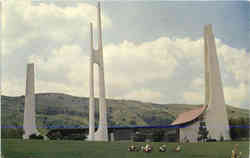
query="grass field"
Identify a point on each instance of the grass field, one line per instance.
(17, 148)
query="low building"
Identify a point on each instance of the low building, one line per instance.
(121, 133)
(188, 124)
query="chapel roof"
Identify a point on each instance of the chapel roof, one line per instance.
(190, 115)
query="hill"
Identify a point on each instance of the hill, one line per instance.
(55, 109)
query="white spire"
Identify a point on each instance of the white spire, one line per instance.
(216, 115)
(29, 122)
(97, 57)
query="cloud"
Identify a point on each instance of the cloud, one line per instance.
(145, 95)
(193, 97)
(164, 70)
(155, 65)
(51, 35)
(234, 67)
(26, 23)
(238, 60)
(66, 64)
(237, 94)
(152, 71)
(161, 71)
(127, 58)
(173, 68)
(12, 87)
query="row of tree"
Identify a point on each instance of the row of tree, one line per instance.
(239, 130)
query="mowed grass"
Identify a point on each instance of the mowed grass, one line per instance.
(17, 148)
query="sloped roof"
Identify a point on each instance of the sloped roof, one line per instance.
(189, 115)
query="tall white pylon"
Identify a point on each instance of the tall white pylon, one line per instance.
(216, 115)
(29, 122)
(97, 58)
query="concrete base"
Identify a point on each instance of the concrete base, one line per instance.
(101, 135)
(190, 133)
(27, 136)
(112, 137)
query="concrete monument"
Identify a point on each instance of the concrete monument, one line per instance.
(213, 113)
(97, 58)
(216, 115)
(29, 122)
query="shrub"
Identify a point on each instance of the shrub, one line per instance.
(203, 132)
(221, 138)
(139, 137)
(34, 136)
(55, 136)
(75, 136)
(211, 140)
(157, 136)
(12, 133)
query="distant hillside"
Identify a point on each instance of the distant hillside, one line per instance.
(54, 109)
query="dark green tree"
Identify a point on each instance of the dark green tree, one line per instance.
(203, 132)
(239, 128)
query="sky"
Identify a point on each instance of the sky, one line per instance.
(153, 50)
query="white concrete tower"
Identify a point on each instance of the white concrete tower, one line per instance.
(91, 136)
(97, 58)
(29, 122)
(216, 115)
(206, 67)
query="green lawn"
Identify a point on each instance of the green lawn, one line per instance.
(17, 148)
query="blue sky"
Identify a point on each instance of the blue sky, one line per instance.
(146, 21)
(153, 51)
(140, 21)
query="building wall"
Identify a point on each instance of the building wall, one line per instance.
(170, 135)
(189, 133)
(217, 124)
(123, 134)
